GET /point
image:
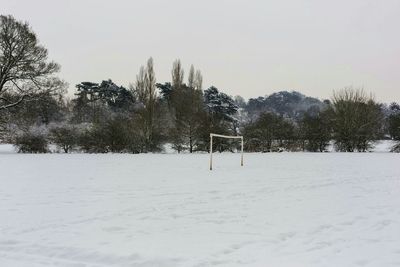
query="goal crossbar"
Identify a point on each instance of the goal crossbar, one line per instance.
(225, 136)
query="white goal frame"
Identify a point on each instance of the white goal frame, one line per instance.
(225, 136)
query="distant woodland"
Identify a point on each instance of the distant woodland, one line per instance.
(144, 116)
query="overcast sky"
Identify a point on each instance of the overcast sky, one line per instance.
(244, 47)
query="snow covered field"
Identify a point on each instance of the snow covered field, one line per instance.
(287, 209)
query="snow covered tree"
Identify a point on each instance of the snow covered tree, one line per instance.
(287, 104)
(33, 140)
(87, 105)
(218, 118)
(118, 98)
(93, 100)
(239, 101)
(165, 91)
(220, 105)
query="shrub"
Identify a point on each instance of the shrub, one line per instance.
(396, 148)
(269, 133)
(115, 135)
(315, 131)
(64, 136)
(32, 141)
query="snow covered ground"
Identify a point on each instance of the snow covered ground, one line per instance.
(286, 209)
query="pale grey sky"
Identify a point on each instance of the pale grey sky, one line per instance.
(245, 47)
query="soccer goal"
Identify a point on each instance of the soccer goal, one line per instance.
(224, 136)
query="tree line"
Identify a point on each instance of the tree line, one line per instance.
(102, 117)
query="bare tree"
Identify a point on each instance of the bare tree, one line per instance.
(357, 120)
(25, 72)
(177, 74)
(198, 80)
(145, 92)
(191, 77)
(140, 90)
(150, 88)
(186, 105)
(196, 105)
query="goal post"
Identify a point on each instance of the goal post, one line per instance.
(225, 136)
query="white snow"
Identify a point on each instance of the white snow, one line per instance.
(383, 146)
(280, 209)
(7, 149)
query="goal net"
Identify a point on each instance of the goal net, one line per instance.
(225, 136)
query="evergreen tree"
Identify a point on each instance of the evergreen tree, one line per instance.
(218, 118)
(94, 100)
